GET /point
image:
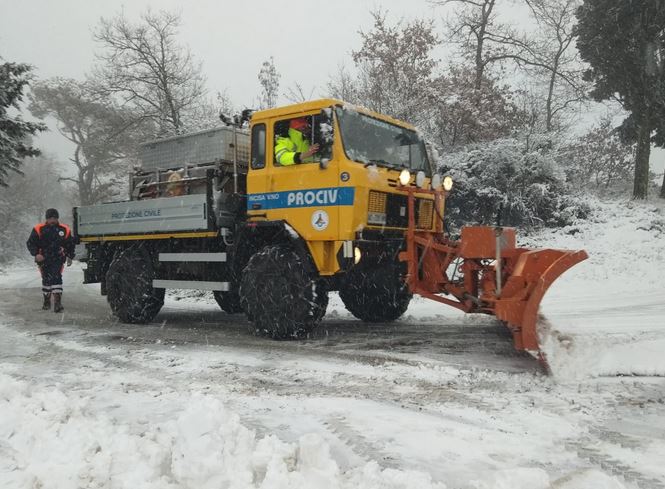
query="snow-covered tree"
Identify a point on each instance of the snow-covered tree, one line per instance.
(342, 85)
(23, 202)
(297, 93)
(206, 114)
(459, 114)
(269, 80)
(395, 67)
(551, 59)
(145, 66)
(528, 187)
(15, 133)
(482, 38)
(104, 135)
(546, 56)
(396, 74)
(599, 158)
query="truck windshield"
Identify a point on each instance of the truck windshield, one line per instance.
(373, 141)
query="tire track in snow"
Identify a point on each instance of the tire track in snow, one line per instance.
(585, 448)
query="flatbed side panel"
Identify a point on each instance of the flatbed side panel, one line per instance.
(185, 213)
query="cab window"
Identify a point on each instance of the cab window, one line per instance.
(295, 136)
(258, 146)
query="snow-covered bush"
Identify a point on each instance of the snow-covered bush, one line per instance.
(528, 186)
(599, 160)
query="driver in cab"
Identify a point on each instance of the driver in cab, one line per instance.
(295, 148)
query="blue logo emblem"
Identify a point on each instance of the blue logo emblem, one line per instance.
(344, 176)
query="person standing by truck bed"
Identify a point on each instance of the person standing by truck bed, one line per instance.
(52, 244)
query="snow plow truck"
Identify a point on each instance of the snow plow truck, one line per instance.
(214, 210)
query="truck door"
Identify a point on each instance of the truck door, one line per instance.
(307, 194)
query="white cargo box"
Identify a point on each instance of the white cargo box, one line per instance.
(185, 213)
(199, 148)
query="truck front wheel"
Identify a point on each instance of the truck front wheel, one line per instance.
(229, 301)
(129, 287)
(376, 292)
(280, 297)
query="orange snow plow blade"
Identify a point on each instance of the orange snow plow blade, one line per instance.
(483, 272)
(532, 274)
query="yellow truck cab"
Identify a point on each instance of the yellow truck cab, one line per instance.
(343, 207)
(349, 191)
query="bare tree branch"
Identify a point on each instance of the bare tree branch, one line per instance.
(145, 66)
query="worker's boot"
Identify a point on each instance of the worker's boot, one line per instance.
(47, 302)
(57, 303)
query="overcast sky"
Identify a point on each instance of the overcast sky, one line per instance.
(308, 39)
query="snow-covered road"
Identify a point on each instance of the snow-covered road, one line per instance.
(433, 400)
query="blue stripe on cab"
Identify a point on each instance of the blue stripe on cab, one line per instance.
(315, 197)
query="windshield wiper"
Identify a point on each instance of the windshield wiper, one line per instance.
(379, 162)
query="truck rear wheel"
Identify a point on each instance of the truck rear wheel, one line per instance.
(228, 301)
(279, 295)
(375, 293)
(129, 287)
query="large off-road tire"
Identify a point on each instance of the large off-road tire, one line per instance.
(129, 287)
(279, 294)
(375, 292)
(228, 301)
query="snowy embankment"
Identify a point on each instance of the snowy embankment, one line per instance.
(63, 438)
(52, 439)
(607, 314)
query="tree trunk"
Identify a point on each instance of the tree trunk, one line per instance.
(641, 183)
(662, 189)
(550, 94)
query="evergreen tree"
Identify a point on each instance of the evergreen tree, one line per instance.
(14, 131)
(396, 67)
(624, 42)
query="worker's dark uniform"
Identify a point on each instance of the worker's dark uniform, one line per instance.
(56, 244)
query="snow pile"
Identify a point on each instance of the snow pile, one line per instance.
(606, 314)
(53, 439)
(50, 439)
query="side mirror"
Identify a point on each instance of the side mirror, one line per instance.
(324, 163)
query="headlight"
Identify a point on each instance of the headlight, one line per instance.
(420, 179)
(357, 255)
(436, 181)
(447, 183)
(405, 177)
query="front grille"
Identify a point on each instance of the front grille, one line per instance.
(395, 209)
(377, 202)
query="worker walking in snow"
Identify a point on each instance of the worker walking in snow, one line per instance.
(52, 244)
(295, 148)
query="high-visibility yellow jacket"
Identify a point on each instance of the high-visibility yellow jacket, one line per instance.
(288, 150)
